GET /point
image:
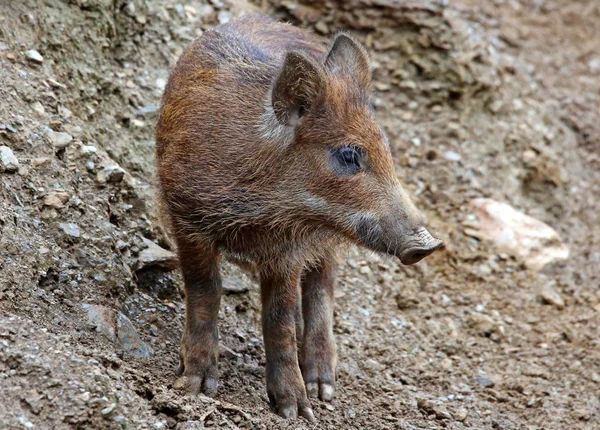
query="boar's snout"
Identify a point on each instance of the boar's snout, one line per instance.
(419, 247)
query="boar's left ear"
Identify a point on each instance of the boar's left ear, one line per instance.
(350, 57)
(298, 85)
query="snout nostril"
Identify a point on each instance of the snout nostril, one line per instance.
(417, 254)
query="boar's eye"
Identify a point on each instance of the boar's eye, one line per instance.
(348, 160)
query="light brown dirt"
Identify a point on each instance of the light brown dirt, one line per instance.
(462, 340)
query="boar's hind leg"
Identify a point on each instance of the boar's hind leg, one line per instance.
(318, 355)
(200, 342)
(285, 387)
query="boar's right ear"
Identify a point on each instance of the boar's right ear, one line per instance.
(299, 83)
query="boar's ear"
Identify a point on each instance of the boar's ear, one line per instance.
(348, 56)
(300, 82)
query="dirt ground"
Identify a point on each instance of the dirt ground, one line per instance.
(495, 99)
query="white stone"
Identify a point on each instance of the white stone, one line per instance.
(59, 139)
(8, 160)
(527, 239)
(34, 56)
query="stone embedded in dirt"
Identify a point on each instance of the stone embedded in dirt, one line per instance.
(129, 339)
(461, 414)
(513, 232)
(70, 229)
(38, 108)
(483, 324)
(374, 365)
(8, 160)
(87, 150)
(59, 139)
(33, 55)
(550, 296)
(233, 285)
(485, 381)
(56, 199)
(154, 255)
(118, 329)
(431, 408)
(227, 352)
(110, 174)
(103, 319)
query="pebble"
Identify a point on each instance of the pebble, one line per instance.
(87, 150)
(8, 160)
(431, 408)
(34, 56)
(452, 156)
(38, 108)
(113, 174)
(56, 199)
(11, 58)
(41, 161)
(130, 340)
(550, 296)
(154, 255)
(233, 285)
(107, 410)
(485, 381)
(223, 17)
(70, 229)
(59, 139)
(461, 414)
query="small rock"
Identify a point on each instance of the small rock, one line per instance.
(70, 229)
(108, 410)
(483, 324)
(461, 414)
(121, 245)
(8, 160)
(233, 285)
(129, 339)
(223, 17)
(42, 161)
(34, 56)
(59, 139)
(431, 408)
(513, 232)
(485, 381)
(321, 27)
(550, 296)
(103, 319)
(161, 84)
(112, 174)
(154, 255)
(38, 108)
(452, 156)
(227, 352)
(11, 58)
(190, 425)
(374, 365)
(87, 150)
(56, 199)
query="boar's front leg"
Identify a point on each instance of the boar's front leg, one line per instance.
(285, 387)
(200, 342)
(318, 354)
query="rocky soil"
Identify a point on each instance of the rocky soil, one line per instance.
(495, 100)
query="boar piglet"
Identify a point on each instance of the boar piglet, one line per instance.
(268, 152)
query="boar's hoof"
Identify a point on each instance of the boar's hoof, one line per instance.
(195, 384)
(324, 391)
(290, 407)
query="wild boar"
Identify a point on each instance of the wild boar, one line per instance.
(268, 151)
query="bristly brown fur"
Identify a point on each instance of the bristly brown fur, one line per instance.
(249, 120)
